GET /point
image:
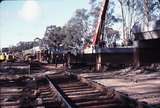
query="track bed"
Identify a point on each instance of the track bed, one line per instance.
(83, 95)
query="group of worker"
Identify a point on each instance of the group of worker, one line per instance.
(56, 59)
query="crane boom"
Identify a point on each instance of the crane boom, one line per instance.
(100, 25)
(99, 28)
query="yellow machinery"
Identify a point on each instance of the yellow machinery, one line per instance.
(10, 57)
(2, 57)
(7, 57)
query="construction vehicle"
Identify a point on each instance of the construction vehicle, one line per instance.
(145, 45)
(98, 36)
(7, 57)
(94, 52)
(2, 57)
(10, 58)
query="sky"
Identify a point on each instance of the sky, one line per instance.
(24, 20)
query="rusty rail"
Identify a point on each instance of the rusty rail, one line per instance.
(59, 94)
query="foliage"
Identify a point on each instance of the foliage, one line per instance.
(111, 19)
(22, 46)
(112, 36)
(76, 29)
(81, 27)
(133, 11)
(154, 9)
(53, 36)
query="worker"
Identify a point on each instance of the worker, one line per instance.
(114, 45)
(56, 59)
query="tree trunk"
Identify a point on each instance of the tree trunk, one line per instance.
(123, 20)
(146, 13)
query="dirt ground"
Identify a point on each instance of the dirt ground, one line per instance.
(142, 84)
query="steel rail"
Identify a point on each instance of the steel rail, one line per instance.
(60, 95)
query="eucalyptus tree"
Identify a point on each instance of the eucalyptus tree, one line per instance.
(110, 20)
(54, 36)
(134, 11)
(76, 29)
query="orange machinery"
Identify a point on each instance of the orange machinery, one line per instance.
(100, 26)
(98, 36)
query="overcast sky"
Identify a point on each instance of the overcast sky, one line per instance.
(23, 20)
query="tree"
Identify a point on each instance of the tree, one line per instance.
(123, 18)
(133, 11)
(24, 46)
(94, 12)
(111, 18)
(76, 29)
(146, 12)
(153, 9)
(112, 36)
(54, 36)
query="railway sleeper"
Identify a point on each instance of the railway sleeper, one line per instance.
(104, 106)
(98, 102)
(76, 92)
(86, 99)
(76, 87)
(83, 93)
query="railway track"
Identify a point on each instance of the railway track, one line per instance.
(73, 93)
(27, 93)
(60, 90)
(46, 96)
(13, 92)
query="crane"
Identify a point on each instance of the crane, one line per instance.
(98, 36)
